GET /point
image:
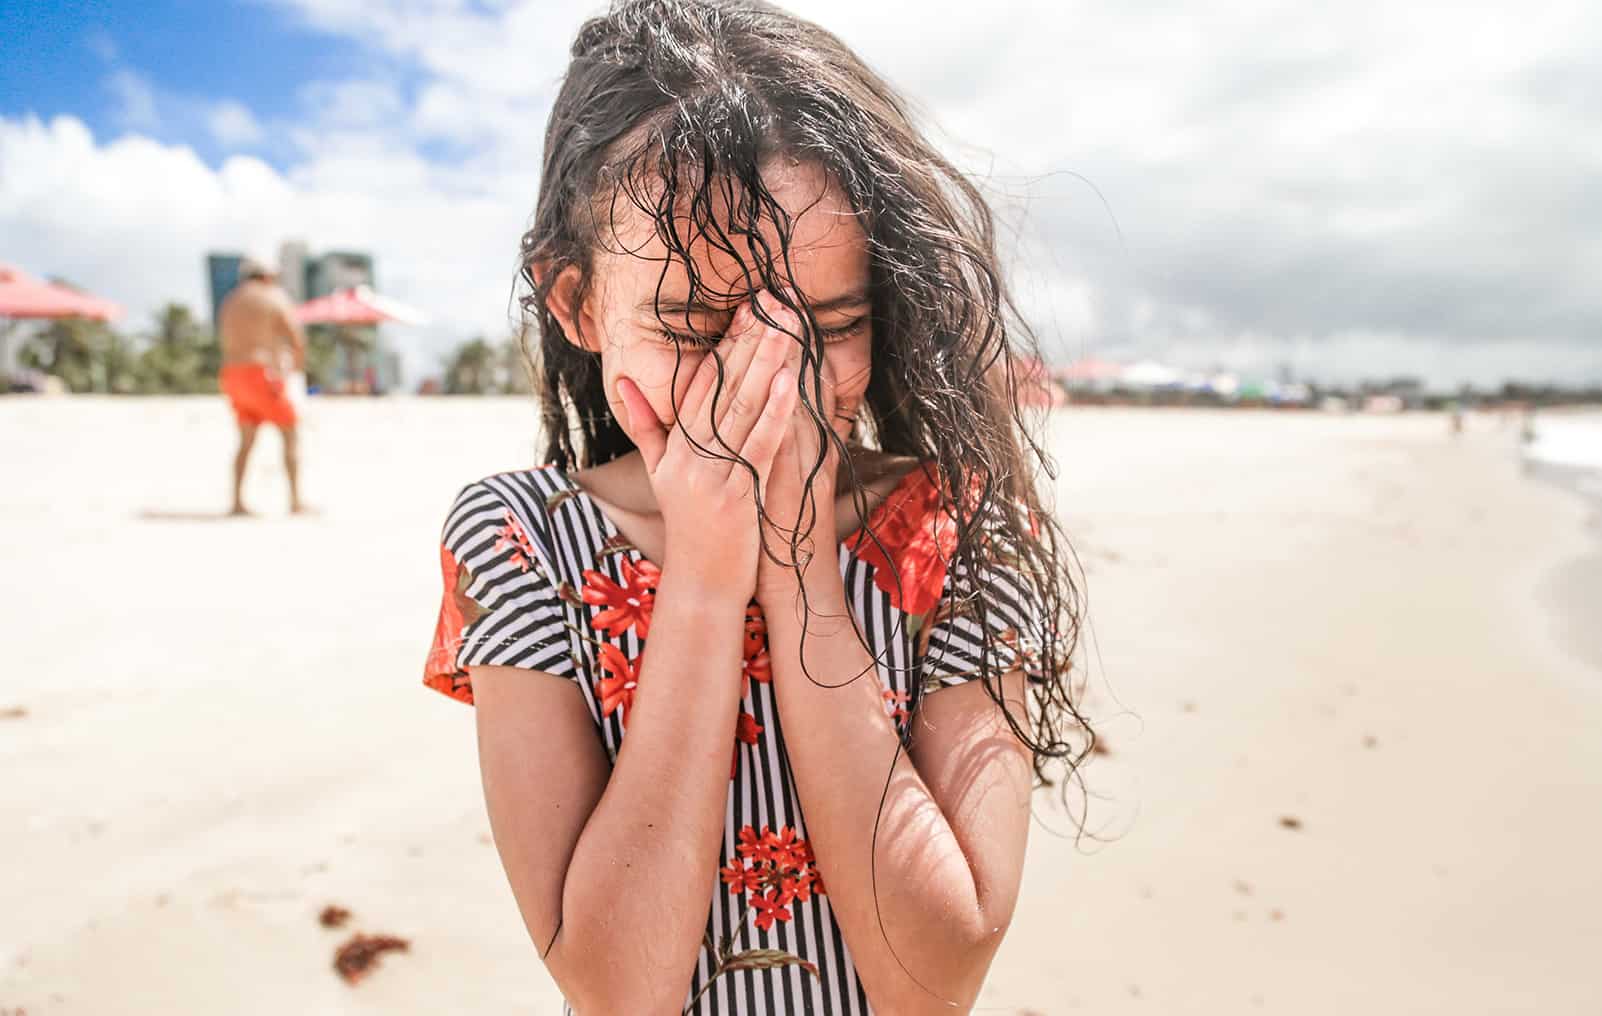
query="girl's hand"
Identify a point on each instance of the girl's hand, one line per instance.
(708, 514)
(785, 497)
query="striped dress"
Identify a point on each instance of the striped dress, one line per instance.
(536, 576)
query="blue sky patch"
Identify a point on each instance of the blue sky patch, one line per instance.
(93, 60)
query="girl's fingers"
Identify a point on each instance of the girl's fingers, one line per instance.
(746, 407)
(738, 348)
(689, 408)
(640, 423)
(767, 432)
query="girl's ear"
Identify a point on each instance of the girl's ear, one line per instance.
(577, 320)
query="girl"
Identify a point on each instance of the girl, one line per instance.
(769, 655)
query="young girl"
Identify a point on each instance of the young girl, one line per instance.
(769, 656)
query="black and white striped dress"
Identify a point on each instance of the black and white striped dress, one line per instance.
(536, 576)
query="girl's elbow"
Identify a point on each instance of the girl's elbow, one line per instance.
(582, 961)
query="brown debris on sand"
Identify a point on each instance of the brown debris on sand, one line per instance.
(333, 916)
(14, 713)
(357, 958)
(1290, 822)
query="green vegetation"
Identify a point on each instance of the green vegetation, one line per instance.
(178, 356)
(479, 367)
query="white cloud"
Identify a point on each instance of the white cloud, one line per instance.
(133, 220)
(1318, 184)
(232, 124)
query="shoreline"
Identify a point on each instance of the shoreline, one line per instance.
(1571, 587)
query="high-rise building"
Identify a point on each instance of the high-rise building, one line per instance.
(337, 269)
(222, 275)
(292, 269)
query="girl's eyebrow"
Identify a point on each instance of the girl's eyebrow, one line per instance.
(855, 298)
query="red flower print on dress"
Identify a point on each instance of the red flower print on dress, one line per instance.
(801, 885)
(773, 870)
(756, 666)
(739, 878)
(746, 730)
(916, 533)
(513, 535)
(628, 605)
(770, 906)
(895, 702)
(456, 611)
(753, 847)
(616, 691)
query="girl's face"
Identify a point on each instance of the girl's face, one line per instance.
(828, 270)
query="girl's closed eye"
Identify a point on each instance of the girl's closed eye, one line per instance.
(696, 340)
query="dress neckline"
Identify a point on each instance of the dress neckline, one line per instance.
(612, 534)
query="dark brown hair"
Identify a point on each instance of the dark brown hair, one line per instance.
(668, 104)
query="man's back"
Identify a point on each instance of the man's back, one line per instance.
(256, 325)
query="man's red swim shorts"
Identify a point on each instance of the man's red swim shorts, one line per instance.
(257, 395)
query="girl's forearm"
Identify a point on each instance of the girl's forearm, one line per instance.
(841, 743)
(634, 902)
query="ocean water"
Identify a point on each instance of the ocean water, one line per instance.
(1567, 447)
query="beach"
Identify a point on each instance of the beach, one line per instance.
(1341, 666)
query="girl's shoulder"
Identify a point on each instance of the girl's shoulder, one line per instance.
(523, 501)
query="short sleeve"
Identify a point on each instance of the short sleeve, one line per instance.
(499, 605)
(996, 596)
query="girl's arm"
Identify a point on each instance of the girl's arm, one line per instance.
(955, 818)
(620, 869)
(613, 871)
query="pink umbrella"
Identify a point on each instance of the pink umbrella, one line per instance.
(1088, 370)
(23, 296)
(357, 305)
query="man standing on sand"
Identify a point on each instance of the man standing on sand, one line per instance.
(261, 344)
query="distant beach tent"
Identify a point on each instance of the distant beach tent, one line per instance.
(1151, 374)
(358, 305)
(1090, 375)
(1090, 371)
(23, 297)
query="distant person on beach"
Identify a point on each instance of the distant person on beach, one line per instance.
(785, 557)
(264, 353)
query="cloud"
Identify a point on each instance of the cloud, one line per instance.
(135, 100)
(134, 219)
(232, 124)
(1349, 189)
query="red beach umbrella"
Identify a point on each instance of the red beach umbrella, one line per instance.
(357, 305)
(23, 296)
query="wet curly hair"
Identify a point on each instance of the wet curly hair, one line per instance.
(675, 107)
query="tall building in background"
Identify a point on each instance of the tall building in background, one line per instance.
(338, 269)
(222, 275)
(292, 269)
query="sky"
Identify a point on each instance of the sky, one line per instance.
(1339, 191)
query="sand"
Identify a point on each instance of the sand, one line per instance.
(1356, 624)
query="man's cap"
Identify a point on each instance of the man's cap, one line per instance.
(253, 266)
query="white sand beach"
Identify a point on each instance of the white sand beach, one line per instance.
(1340, 664)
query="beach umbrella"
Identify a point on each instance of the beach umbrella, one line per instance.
(357, 305)
(25, 298)
(1089, 370)
(351, 308)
